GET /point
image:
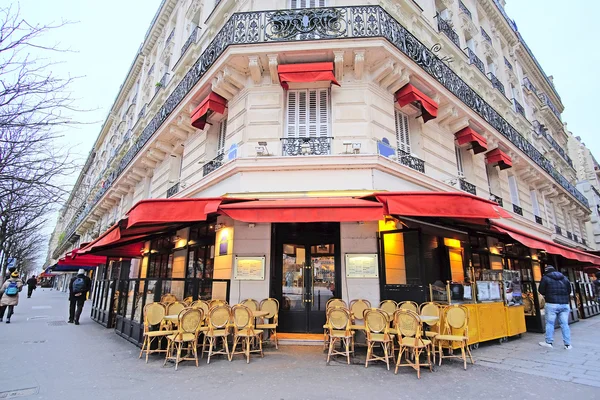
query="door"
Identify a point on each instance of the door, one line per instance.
(307, 274)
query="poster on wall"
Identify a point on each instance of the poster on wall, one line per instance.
(249, 268)
(362, 266)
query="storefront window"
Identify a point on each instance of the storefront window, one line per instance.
(401, 258)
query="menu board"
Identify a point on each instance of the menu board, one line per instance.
(249, 268)
(362, 266)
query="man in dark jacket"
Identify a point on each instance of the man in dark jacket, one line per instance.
(556, 288)
(31, 285)
(79, 287)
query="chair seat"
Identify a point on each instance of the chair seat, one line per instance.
(358, 327)
(455, 338)
(410, 342)
(186, 337)
(340, 333)
(381, 337)
(431, 334)
(393, 331)
(247, 333)
(266, 326)
(218, 332)
(158, 333)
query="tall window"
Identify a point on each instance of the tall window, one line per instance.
(221, 136)
(514, 190)
(534, 203)
(459, 162)
(308, 113)
(307, 3)
(550, 213)
(402, 133)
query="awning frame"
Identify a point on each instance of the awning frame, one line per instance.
(410, 94)
(213, 102)
(306, 72)
(468, 136)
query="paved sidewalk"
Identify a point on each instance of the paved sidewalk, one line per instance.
(44, 358)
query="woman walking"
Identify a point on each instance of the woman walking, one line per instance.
(9, 295)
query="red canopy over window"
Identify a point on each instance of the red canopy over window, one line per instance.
(305, 210)
(409, 94)
(469, 136)
(171, 211)
(542, 244)
(212, 102)
(77, 259)
(440, 204)
(312, 72)
(498, 158)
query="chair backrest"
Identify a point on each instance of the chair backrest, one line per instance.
(154, 313)
(456, 318)
(190, 320)
(407, 323)
(188, 300)
(409, 305)
(202, 305)
(338, 318)
(216, 302)
(376, 321)
(251, 304)
(335, 303)
(429, 309)
(175, 308)
(168, 298)
(358, 307)
(272, 307)
(389, 306)
(241, 316)
(219, 316)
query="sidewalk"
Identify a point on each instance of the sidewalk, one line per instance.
(45, 358)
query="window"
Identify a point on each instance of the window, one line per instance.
(459, 162)
(550, 213)
(221, 136)
(514, 190)
(402, 133)
(491, 67)
(308, 113)
(471, 44)
(534, 203)
(306, 3)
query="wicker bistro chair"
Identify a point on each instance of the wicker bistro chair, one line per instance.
(174, 309)
(456, 330)
(377, 323)
(216, 302)
(251, 304)
(244, 332)
(431, 309)
(188, 300)
(154, 314)
(272, 306)
(408, 305)
(339, 323)
(189, 323)
(357, 311)
(168, 298)
(331, 303)
(409, 328)
(218, 327)
(389, 306)
(203, 305)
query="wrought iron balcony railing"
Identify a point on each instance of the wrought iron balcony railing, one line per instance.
(518, 107)
(496, 83)
(547, 102)
(170, 37)
(541, 130)
(464, 9)
(134, 100)
(485, 35)
(446, 28)
(575, 238)
(529, 86)
(569, 235)
(162, 83)
(142, 111)
(517, 209)
(411, 162)
(309, 146)
(497, 199)
(508, 64)
(150, 71)
(213, 164)
(558, 229)
(539, 220)
(583, 241)
(467, 187)
(191, 39)
(173, 190)
(473, 59)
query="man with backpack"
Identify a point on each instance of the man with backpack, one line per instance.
(9, 295)
(78, 288)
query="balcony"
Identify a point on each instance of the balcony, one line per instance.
(170, 37)
(541, 130)
(519, 108)
(310, 146)
(529, 86)
(467, 187)
(213, 164)
(517, 209)
(412, 162)
(173, 190)
(150, 71)
(497, 199)
(539, 220)
(142, 112)
(575, 238)
(548, 103)
(569, 235)
(496, 83)
(583, 241)
(190, 40)
(508, 64)
(464, 9)
(485, 35)
(473, 59)
(162, 83)
(558, 229)
(444, 26)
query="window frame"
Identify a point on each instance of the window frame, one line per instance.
(513, 188)
(318, 114)
(403, 147)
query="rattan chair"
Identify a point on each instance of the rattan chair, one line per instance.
(331, 303)
(339, 323)
(377, 323)
(216, 302)
(244, 332)
(456, 330)
(409, 328)
(188, 300)
(272, 306)
(189, 324)
(168, 298)
(203, 305)
(408, 305)
(174, 309)
(251, 304)
(389, 306)
(431, 309)
(357, 311)
(154, 314)
(218, 321)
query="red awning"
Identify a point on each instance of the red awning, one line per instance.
(305, 210)
(440, 204)
(541, 244)
(311, 72)
(171, 211)
(74, 257)
(469, 136)
(498, 158)
(409, 94)
(212, 102)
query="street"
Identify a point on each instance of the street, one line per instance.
(43, 357)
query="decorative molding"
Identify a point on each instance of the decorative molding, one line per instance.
(255, 68)
(338, 60)
(359, 64)
(273, 68)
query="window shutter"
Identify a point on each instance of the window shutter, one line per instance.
(402, 133)
(308, 113)
(323, 122)
(534, 203)
(221, 136)
(292, 113)
(514, 190)
(302, 113)
(306, 3)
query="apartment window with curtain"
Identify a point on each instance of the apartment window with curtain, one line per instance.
(307, 3)
(459, 162)
(402, 133)
(514, 190)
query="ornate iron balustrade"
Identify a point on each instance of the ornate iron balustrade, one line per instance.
(569, 235)
(496, 83)
(170, 37)
(464, 9)
(539, 220)
(584, 241)
(325, 23)
(518, 107)
(213, 164)
(467, 187)
(541, 130)
(134, 100)
(309, 146)
(162, 83)
(173, 190)
(444, 26)
(191, 39)
(411, 162)
(508, 64)
(485, 35)
(142, 111)
(497, 199)
(547, 102)
(529, 86)
(558, 229)
(473, 59)
(575, 238)
(517, 209)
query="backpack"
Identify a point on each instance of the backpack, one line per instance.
(79, 285)
(12, 289)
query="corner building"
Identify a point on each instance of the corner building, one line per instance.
(318, 142)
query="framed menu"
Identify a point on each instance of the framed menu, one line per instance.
(249, 268)
(362, 266)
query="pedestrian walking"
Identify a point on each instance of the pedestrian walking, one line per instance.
(9, 295)
(78, 288)
(556, 288)
(31, 285)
